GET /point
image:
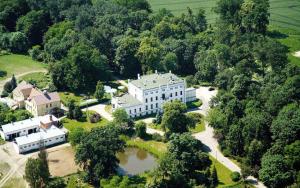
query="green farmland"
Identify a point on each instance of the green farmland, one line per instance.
(284, 13)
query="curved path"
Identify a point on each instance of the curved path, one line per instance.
(207, 136)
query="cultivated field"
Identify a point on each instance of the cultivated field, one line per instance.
(284, 13)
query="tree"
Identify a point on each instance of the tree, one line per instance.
(170, 62)
(34, 24)
(56, 182)
(77, 113)
(286, 127)
(18, 42)
(255, 15)
(10, 85)
(99, 92)
(120, 116)
(77, 135)
(97, 153)
(174, 117)
(82, 68)
(37, 171)
(140, 129)
(292, 155)
(214, 177)
(125, 58)
(228, 10)
(150, 53)
(71, 107)
(274, 171)
(183, 162)
(234, 140)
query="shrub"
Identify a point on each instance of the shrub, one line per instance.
(235, 176)
(140, 129)
(95, 117)
(157, 137)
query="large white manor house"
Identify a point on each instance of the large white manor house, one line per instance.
(148, 93)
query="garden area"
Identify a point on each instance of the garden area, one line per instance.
(39, 79)
(84, 122)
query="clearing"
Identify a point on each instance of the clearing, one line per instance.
(62, 161)
(19, 64)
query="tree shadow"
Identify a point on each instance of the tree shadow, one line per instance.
(276, 34)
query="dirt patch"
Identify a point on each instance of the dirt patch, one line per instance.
(297, 54)
(61, 161)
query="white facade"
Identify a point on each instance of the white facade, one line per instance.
(147, 94)
(44, 138)
(20, 128)
(190, 94)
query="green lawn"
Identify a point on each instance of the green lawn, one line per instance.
(194, 104)
(40, 79)
(18, 64)
(284, 13)
(199, 127)
(290, 38)
(68, 96)
(71, 124)
(222, 171)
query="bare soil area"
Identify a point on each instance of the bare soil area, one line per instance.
(62, 161)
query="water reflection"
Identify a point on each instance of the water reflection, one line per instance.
(135, 161)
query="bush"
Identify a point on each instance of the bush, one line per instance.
(3, 73)
(235, 176)
(140, 129)
(157, 137)
(95, 117)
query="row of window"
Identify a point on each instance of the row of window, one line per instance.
(163, 96)
(40, 144)
(171, 88)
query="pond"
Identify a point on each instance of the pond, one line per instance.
(134, 161)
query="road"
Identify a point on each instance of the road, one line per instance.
(2, 82)
(100, 109)
(207, 136)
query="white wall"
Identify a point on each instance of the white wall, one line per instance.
(36, 145)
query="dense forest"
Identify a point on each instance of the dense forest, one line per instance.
(256, 114)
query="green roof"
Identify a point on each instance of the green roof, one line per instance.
(156, 80)
(128, 100)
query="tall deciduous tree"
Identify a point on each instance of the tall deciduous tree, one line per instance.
(99, 92)
(97, 153)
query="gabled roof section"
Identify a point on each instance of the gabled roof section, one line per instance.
(24, 87)
(46, 98)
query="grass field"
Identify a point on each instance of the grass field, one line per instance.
(284, 13)
(71, 124)
(18, 64)
(40, 79)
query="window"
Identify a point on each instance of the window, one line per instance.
(156, 98)
(180, 92)
(129, 111)
(176, 93)
(56, 138)
(146, 100)
(171, 95)
(46, 105)
(156, 105)
(151, 106)
(151, 99)
(134, 110)
(61, 137)
(140, 109)
(146, 93)
(151, 92)
(163, 96)
(146, 107)
(50, 105)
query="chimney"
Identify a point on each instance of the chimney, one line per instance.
(128, 80)
(139, 77)
(155, 71)
(51, 119)
(170, 71)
